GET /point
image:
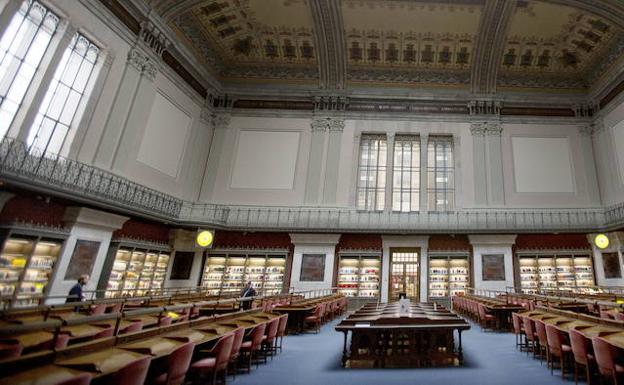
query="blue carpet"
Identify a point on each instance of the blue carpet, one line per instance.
(314, 359)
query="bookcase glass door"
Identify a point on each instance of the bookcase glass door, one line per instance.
(547, 273)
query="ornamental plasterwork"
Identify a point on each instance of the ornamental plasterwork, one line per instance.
(396, 75)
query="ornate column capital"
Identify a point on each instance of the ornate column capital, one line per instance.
(153, 37)
(335, 125)
(319, 125)
(477, 129)
(137, 59)
(586, 130)
(150, 69)
(493, 129)
(221, 120)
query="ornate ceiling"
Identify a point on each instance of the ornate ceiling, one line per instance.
(477, 45)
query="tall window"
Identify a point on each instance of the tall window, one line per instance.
(22, 47)
(372, 173)
(440, 173)
(60, 104)
(406, 174)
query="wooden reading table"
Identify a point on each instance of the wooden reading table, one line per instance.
(297, 311)
(382, 337)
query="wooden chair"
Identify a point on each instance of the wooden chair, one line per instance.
(177, 365)
(133, 373)
(605, 355)
(557, 348)
(79, 379)
(542, 338)
(252, 347)
(218, 362)
(518, 330)
(582, 352)
(281, 330)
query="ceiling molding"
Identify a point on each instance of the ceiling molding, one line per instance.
(330, 43)
(171, 10)
(490, 44)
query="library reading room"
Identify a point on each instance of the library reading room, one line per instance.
(311, 192)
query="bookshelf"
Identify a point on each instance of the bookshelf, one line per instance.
(565, 272)
(359, 275)
(449, 275)
(227, 273)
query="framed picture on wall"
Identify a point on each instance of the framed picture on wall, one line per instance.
(312, 267)
(493, 267)
(82, 259)
(182, 265)
(611, 265)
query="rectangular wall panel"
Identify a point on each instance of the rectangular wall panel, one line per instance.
(618, 136)
(164, 138)
(542, 165)
(265, 160)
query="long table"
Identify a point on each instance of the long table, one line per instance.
(103, 357)
(382, 336)
(298, 310)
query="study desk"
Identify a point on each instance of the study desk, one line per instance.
(611, 331)
(383, 337)
(297, 311)
(43, 375)
(101, 362)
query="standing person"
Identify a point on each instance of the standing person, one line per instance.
(248, 291)
(75, 293)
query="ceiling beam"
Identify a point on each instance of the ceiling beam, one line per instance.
(489, 45)
(330, 43)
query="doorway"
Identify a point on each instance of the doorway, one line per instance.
(404, 273)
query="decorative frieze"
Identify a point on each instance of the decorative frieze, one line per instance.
(327, 124)
(484, 107)
(153, 37)
(330, 103)
(142, 63)
(486, 128)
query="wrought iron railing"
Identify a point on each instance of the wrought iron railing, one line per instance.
(85, 182)
(52, 171)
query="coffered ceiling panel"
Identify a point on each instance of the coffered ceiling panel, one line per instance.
(554, 46)
(252, 38)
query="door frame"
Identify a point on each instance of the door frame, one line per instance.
(416, 249)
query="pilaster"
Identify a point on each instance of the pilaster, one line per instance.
(495, 159)
(479, 163)
(332, 165)
(424, 171)
(389, 171)
(220, 121)
(589, 160)
(319, 128)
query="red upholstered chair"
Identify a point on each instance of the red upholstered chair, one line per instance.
(10, 349)
(80, 379)
(619, 316)
(61, 342)
(116, 308)
(99, 309)
(178, 363)
(605, 355)
(316, 317)
(268, 340)
(135, 326)
(165, 321)
(281, 330)
(108, 332)
(485, 318)
(239, 334)
(529, 332)
(218, 363)
(518, 330)
(542, 338)
(605, 314)
(582, 352)
(132, 374)
(252, 347)
(557, 347)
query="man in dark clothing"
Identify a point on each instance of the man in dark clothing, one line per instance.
(75, 293)
(248, 291)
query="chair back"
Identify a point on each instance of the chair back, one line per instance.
(581, 346)
(619, 316)
(555, 339)
(529, 328)
(116, 308)
(99, 309)
(223, 351)
(80, 379)
(605, 356)
(135, 326)
(239, 334)
(540, 329)
(517, 323)
(482, 311)
(178, 363)
(108, 332)
(10, 349)
(132, 374)
(605, 314)
(61, 341)
(271, 330)
(281, 328)
(256, 336)
(165, 321)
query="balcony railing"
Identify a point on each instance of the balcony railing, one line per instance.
(87, 183)
(52, 171)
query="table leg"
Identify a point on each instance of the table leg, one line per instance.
(344, 350)
(460, 352)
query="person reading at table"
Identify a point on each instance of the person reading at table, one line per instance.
(75, 293)
(248, 291)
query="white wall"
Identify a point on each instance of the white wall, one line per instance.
(609, 150)
(90, 225)
(492, 244)
(313, 244)
(194, 277)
